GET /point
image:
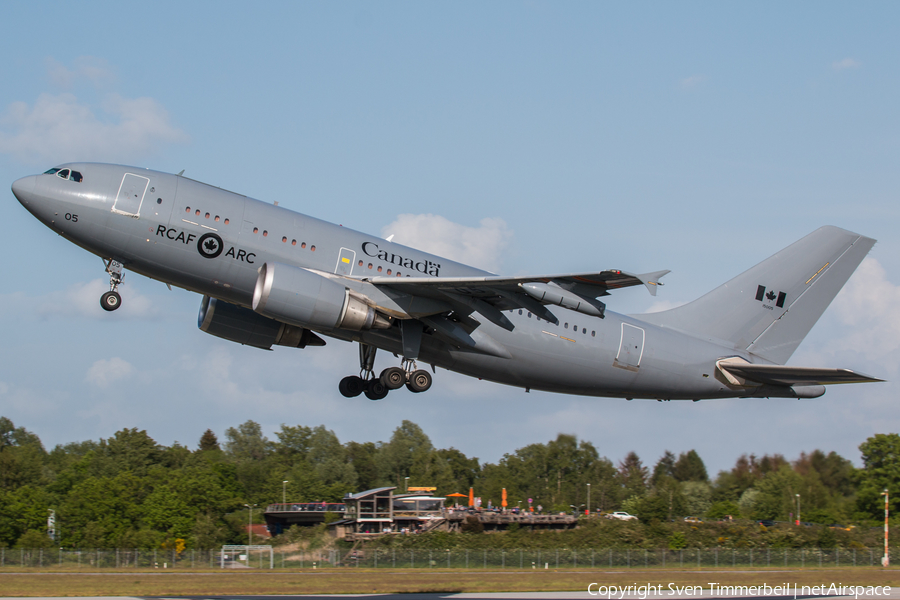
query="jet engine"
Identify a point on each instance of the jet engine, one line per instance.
(302, 298)
(242, 325)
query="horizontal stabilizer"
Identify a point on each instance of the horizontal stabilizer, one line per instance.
(788, 376)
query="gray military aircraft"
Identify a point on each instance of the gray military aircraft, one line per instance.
(271, 276)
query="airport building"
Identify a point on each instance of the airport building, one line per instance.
(380, 511)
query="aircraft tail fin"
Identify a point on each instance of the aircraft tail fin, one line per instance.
(769, 309)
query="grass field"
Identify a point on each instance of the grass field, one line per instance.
(154, 583)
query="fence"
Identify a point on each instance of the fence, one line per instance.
(396, 558)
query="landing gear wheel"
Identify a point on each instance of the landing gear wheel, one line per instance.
(351, 387)
(110, 301)
(393, 378)
(375, 390)
(419, 381)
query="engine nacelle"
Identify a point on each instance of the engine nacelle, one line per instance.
(242, 325)
(302, 298)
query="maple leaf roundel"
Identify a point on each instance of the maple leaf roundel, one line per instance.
(210, 245)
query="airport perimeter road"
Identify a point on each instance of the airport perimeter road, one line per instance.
(891, 595)
(860, 583)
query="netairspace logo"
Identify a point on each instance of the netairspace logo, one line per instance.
(737, 591)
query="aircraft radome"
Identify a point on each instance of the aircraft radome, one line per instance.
(270, 276)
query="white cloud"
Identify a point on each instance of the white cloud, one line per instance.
(870, 306)
(692, 81)
(661, 305)
(86, 69)
(61, 128)
(477, 246)
(103, 372)
(847, 63)
(83, 300)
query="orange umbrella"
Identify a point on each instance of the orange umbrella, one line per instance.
(471, 496)
(503, 502)
(456, 495)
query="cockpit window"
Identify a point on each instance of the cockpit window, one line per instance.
(67, 174)
(51, 171)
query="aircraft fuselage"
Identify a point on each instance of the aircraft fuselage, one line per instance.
(213, 242)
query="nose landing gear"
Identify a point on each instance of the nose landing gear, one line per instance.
(111, 300)
(393, 378)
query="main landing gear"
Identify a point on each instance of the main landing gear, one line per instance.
(111, 300)
(393, 378)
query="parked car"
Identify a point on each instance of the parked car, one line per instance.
(693, 520)
(621, 515)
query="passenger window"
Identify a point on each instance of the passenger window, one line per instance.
(159, 201)
(197, 212)
(520, 311)
(379, 269)
(593, 334)
(566, 325)
(256, 230)
(226, 221)
(389, 272)
(187, 209)
(584, 330)
(265, 233)
(293, 242)
(529, 315)
(284, 240)
(360, 263)
(312, 248)
(370, 265)
(217, 218)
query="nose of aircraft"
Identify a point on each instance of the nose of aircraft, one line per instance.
(23, 188)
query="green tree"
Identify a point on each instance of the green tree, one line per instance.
(396, 458)
(633, 476)
(362, 457)
(293, 442)
(697, 495)
(208, 533)
(247, 442)
(723, 508)
(208, 441)
(34, 539)
(665, 467)
(777, 493)
(881, 470)
(22, 456)
(329, 459)
(464, 470)
(689, 467)
(130, 450)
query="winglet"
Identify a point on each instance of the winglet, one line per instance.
(651, 280)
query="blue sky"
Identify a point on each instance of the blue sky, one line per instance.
(522, 137)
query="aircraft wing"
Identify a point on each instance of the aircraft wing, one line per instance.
(787, 376)
(490, 294)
